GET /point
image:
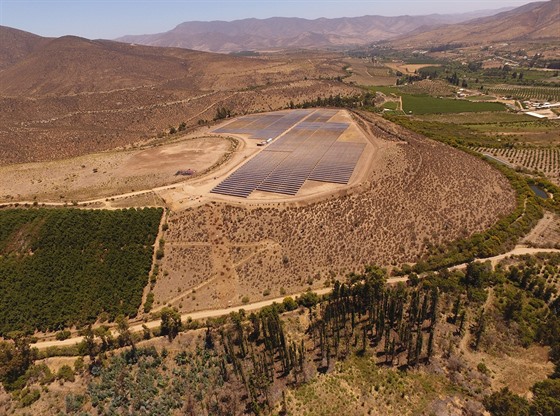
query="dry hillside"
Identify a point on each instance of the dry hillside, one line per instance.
(418, 193)
(290, 32)
(533, 21)
(70, 96)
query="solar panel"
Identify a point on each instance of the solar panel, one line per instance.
(264, 126)
(309, 150)
(338, 163)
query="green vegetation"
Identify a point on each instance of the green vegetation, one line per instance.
(364, 337)
(503, 235)
(65, 267)
(527, 93)
(425, 104)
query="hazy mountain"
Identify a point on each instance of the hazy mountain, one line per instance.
(288, 33)
(532, 21)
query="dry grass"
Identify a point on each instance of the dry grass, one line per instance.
(546, 233)
(57, 124)
(417, 194)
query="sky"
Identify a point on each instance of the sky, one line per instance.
(108, 19)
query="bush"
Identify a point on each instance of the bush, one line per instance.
(29, 396)
(62, 335)
(65, 373)
(289, 304)
(308, 299)
(506, 403)
(74, 402)
(149, 302)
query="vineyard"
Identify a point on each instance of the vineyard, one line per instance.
(546, 160)
(527, 93)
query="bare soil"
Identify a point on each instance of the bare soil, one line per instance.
(546, 233)
(106, 174)
(411, 193)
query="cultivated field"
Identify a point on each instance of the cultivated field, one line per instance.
(412, 195)
(545, 160)
(527, 93)
(407, 69)
(435, 88)
(546, 233)
(364, 72)
(424, 104)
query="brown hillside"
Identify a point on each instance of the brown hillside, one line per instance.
(15, 45)
(534, 21)
(72, 65)
(70, 96)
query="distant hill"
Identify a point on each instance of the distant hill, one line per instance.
(289, 33)
(533, 21)
(32, 65)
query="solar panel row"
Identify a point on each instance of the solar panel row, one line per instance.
(308, 151)
(338, 163)
(246, 179)
(264, 126)
(322, 115)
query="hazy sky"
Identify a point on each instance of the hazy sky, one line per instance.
(110, 19)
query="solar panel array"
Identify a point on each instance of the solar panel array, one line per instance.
(338, 164)
(246, 179)
(264, 126)
(308, 151)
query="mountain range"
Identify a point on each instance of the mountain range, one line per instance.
(533, 21)
(278, 33)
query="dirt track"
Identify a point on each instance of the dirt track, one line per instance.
(517, 251)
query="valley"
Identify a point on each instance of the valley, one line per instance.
(295, 216)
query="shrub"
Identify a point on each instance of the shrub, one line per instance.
(65, 373)
(62, 335)
(29, 396)
(74, 402)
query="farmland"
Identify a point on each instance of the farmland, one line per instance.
(423, 104)
(526, 92)
(60, 268)
(545, 160)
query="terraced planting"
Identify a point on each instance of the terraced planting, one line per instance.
(545, 160)
(527, 93)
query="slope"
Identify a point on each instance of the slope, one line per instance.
(534, 21)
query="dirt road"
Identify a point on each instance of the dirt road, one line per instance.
(517, 251)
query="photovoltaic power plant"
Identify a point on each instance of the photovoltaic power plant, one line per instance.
(309, 150)
(264, 126)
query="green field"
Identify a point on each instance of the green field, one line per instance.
(64, 267)
(424, 104)
(390, 105)
(491, 118)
